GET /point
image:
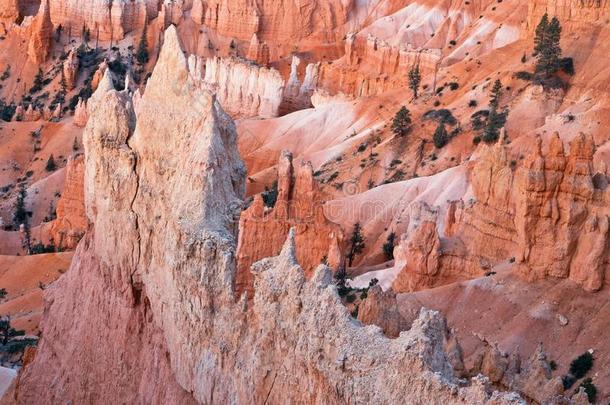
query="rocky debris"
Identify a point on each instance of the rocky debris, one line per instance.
(244, 89)
(41, 35)
(70, 70)
(71, 222)
(299, 204)
(161, 323)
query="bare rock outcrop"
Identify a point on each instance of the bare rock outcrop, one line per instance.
(243, 88)
(419, 258)
(299, 205)
(105, 20)
(71, 222)
(156, 318)
(9, 11)
(548, 213)
(80, 114)
(70, 70)
(41, 35)
(380, 308)
(258, 51)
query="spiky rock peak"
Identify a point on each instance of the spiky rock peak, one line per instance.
(156, 320)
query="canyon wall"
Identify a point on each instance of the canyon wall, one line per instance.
(573, 14)
(549, 216)
(244, 89)
(156, 318)
(106, 20)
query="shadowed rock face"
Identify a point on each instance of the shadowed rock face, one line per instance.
(153, 317)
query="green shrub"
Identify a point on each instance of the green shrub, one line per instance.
(590, 389)
(581, 365)
(270, 195)
(440, 137)
(401, 125)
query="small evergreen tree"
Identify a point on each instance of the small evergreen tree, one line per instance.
(590, 389)
(142, 53)
(3, 293)
(7, 332)
(496, 94)
(414, 79)
(270, 195)
(38, 81)
(440, 137)
(75, 146)
(51, 166)
(20, 215)
(495, 121)
(388, 246)
(356, 244)
(86, 35)
(581, 365)
(540, 33)
(401, 125)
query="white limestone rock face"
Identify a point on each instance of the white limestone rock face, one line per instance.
(244, 89)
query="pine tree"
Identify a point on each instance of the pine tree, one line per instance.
(540, 33)
(20, 215)
(496, 94)
(495, 119)
(440, 137)
(356, 244)
(75, 146)
(142, 53)
(414, 79)
(401, 125)
(51, 166)
(495, 122)
(547, 47)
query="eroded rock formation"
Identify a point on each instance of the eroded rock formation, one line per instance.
(243, 88)
(41, 35)
(299, 204)
(105, 20)
(9, 11)
(548, 215)
(70, 70)
(71, 222)
(156, 318)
